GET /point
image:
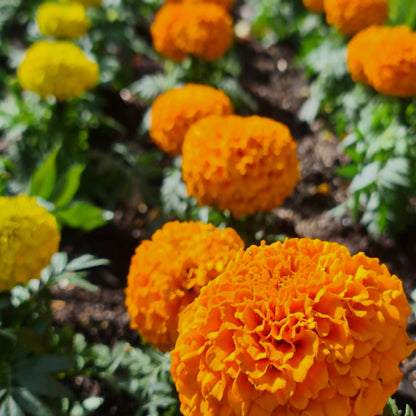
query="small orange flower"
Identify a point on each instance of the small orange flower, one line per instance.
(385, 59)
(316, 6)
(174, 111)
(226, 4)
(243, 164)
(167, 273)
(182, 29)
(351, 16)
(294, 328)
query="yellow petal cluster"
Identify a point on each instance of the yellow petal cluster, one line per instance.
(351, 16)
(316, 6)
(290, 329)
(384, 57)
(167, 272)
(59, 69)
(62, 20)
(242, 164)
(226, 4)
(29, 236)
(181, 29)
(86, 3)
(173, 112)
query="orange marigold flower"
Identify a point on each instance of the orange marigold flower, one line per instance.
(182, 29)
(174, 111)
(316, 6)
(168, 271)
(243, 164)
(351, 16)
(384, 58)
(294, 328)
(226, 4)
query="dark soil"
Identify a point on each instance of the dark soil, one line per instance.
(280, 89)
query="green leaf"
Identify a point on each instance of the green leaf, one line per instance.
(44, 178)
(92, 403)
(81, 214)
(366, 177)
(78, 280)
(69, 185)
(391, 409)
(86, 261)
(9, 407)
(347, 171)
(37, 374)
(395, 173)
(30, 403)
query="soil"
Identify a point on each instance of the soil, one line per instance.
(280, 88)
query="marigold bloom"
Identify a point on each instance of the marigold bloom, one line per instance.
(167, 272)
(62, 20)
(177, 109)
(86, 3)
(226, 4)
(57, 68)
(294, 328)
(29, 236)
(182, 29)
(316, 6)
(384, 58)
(351, 16)
(243, 164)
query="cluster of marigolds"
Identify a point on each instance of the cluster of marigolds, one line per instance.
(59, 67)
(294, 328)
(382, 57)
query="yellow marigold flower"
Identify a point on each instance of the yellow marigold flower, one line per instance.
(226, 4)
(182, 29)
(290, 329)
(351, 16)
(384, 58)
(29, 236)
(167, 272)
(57, 68)
(316, 6)
(177, 109)
(64, 21)
(243, 164)
(86, 3)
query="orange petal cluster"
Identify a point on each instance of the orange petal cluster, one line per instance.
(173, 112)
(226, 4)
(294, 328)
(167, 272)
(316, 6)
(351, 16)
(243, 164)
(181, 29)
(384, 58)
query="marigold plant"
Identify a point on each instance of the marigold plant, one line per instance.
(57, 68)
(183, 29)
(351, 16)
(167, 272)
(62, 20)
(29, 236)
(384, 58)
(316, 6)
(294, 328)
(242, 164)
(173, 112)
(227, 4)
